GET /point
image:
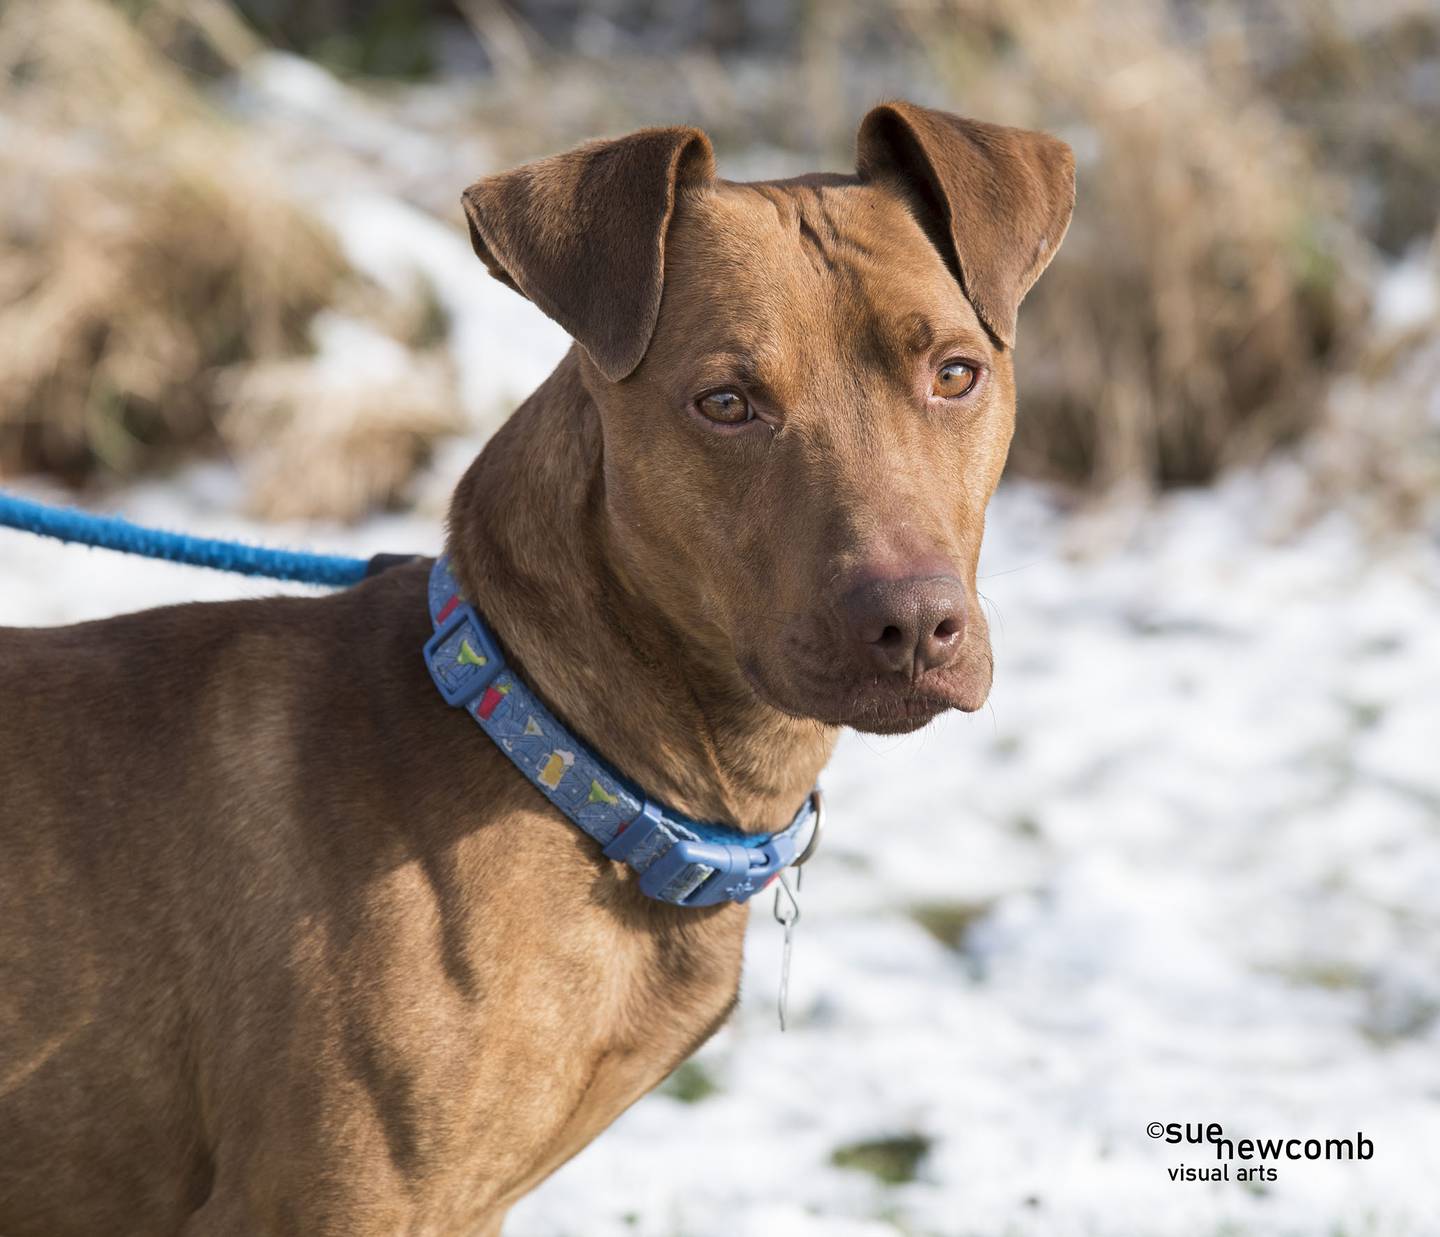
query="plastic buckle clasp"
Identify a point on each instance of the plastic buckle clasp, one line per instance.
(737, 872)
(728, 864)
(471, 671)
(729, 881)
(741, 881)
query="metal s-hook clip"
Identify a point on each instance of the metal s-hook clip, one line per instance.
(787, 915)
(787, 900)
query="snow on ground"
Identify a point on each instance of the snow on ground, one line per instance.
(1184, 868)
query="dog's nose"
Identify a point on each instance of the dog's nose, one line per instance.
(908, 626)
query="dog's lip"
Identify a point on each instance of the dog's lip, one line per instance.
(880, 706)
(892, 710)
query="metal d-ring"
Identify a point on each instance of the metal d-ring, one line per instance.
(817, 805)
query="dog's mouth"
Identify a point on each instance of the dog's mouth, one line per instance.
(887, 710)
(883, 705)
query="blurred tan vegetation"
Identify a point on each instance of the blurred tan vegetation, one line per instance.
(159, 285)
(1247, 175)
(1201, 294)
(140, 247)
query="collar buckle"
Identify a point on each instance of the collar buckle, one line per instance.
(751, 869)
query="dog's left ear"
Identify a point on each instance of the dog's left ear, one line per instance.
(583, 235)
(995, 201)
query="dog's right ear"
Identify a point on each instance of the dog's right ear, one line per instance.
(583, 235)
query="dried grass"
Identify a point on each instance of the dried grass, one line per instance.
(1205, 285)
(160, 291)
(1377, 449)
(1359, 83)
(143, 243)
(340, 434)
(1208, 294)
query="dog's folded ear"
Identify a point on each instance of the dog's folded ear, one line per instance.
(995, 201)
(583, 235)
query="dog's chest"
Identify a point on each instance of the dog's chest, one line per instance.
(552, 1044)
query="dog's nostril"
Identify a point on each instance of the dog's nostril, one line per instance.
(908, 625)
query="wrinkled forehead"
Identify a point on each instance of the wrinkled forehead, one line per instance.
(808, 272)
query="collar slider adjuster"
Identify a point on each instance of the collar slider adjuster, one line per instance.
(462, 656)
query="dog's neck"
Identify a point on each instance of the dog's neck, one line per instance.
(530, 540)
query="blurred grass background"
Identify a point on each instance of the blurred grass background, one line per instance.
(1251, 268)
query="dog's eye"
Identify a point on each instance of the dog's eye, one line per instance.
(726, 407)
(953, 378)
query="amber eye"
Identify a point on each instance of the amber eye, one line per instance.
(952, 379)
(726, 407)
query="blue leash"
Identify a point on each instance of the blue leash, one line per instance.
(113, 533)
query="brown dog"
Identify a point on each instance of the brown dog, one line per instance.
(287, 946)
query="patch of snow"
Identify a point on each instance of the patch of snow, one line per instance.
(1408, 295)
(502, 346)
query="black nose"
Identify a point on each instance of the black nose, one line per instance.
(907, 626)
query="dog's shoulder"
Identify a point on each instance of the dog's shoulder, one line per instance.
(175, 640)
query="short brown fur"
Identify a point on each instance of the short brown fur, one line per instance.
(288, 947)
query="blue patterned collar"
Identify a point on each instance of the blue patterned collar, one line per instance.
(681, 861)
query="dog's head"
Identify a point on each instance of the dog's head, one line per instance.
(805, 388)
